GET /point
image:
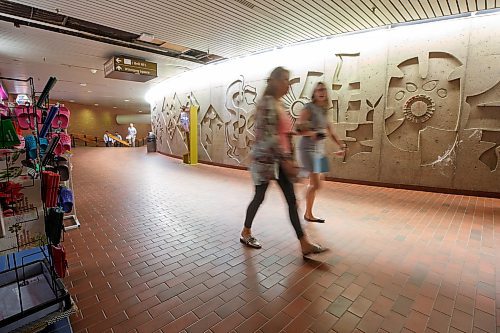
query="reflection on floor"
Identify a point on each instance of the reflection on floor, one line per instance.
(158, 250)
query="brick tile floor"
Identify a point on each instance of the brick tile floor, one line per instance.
(158, 251)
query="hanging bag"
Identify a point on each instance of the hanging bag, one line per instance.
(66, 199)
(59, 258)
(54, 225)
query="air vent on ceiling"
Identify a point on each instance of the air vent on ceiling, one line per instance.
(204, 57)
(46, 16)
(11, 8)
(38, 18)
(246, 3)
(195, 53)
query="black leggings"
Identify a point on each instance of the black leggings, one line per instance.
(287, 188)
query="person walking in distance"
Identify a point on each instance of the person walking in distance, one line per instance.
(132, 133)
(313, 126)
(272, 159)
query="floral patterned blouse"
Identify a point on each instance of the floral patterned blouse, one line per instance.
(267, 151)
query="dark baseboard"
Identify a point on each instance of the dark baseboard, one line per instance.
(208, 162)
(418, 188)
(170, 155)
(371, 183)
(224, 165)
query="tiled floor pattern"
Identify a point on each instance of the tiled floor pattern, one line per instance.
(158, 251)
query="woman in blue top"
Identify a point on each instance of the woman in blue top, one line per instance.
(313, 127)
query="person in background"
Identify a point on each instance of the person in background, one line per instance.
(117, 143)
(314, 128)
(132, 133)
(107, 140)
(272, 159)
(184, 120)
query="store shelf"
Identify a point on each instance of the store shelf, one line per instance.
(35, 303)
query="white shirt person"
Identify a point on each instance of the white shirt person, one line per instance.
(132, 133)
(108, 141)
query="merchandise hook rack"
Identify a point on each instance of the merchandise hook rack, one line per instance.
(33, 293)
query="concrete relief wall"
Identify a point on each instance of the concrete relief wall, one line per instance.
(417, 105)
(478, 154)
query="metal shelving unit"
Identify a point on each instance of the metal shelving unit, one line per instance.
(32, 296)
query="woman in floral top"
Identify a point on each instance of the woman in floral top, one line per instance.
(272, 159)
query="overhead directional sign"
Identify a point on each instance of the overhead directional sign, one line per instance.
(131, 69)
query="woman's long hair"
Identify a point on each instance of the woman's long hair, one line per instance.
(276, 74)
(324, 107)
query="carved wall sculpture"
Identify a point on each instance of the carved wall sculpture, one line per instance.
(490, 157)
(347, 107)
(485, 116)
(479, 151)
(407, 104)
(240, 103)
(212, 133)
(167, 127)
(424, 96)
(357, 104)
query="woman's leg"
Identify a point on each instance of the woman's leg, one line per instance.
(260, 192)
(246, 234)
(311, 194)
(287, 188)
(288, 191)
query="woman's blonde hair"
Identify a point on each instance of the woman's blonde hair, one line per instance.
(324, 107)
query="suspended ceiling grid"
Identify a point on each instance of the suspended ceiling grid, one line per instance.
(236, 27)
(227, 28)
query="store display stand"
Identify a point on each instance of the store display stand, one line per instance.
(71, 218)
(33, 296)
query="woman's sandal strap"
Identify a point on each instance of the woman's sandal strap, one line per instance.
(250, 241)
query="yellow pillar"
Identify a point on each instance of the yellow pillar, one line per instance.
(193, 134)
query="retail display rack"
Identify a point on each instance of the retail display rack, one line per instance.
(34, 167)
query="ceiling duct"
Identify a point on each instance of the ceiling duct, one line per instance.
(20, 14)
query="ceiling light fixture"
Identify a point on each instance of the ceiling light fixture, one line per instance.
(83, 84)
(72, 101)
(96, 104)
(93, 71)
(140, 110)
(114, 107)
(89, 91)
(126, 100)
(145, 37)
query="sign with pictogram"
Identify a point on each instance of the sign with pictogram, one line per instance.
(131, 69)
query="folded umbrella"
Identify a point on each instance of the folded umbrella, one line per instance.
(48, 121)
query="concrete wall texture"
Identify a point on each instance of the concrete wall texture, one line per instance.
(417, 104)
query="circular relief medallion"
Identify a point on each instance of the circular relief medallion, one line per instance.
(419, 108)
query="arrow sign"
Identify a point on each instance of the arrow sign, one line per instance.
(131, 69)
